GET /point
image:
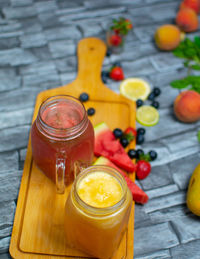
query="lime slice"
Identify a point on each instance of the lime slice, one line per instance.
(135, 88)
(147, 115)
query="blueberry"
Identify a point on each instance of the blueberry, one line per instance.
(108, 53)
(156, 91)
(132, 153)
(104, 79)
(139, 152)
(155, 104)
(151, 96)
(141, 131)
(139, 103)
(91, 111)
(117, 64)
(105, 74)
(124, 142)
(118, 133)
(153, 154)
(139, 139)
(84, 97)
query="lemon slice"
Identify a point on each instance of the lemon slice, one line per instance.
(135, 88)
(147, 115)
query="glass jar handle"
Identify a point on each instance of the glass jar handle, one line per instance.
(60, 173)
(79, 166)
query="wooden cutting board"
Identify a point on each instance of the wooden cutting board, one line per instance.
(38, 225)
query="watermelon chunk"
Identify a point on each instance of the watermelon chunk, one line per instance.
(106, 145)
(138, 194)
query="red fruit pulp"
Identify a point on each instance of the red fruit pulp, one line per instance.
(106, 145)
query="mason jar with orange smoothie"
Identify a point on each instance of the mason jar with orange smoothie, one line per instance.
(97, 211)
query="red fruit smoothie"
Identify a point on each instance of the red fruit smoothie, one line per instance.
(62, 129)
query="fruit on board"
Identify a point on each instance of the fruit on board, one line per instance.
(143, 169)
(132, 153)
(106, 145)
(115, 40)
(117, 73)
(135, 88)
(147, 115)
(90, 111)
(187, 20)
(187, 106)
(193, 193)
(167, 37)
(124, 142)
(117, 133)
(138, 194)
(193, 4)
(130, 133)
(84, 97)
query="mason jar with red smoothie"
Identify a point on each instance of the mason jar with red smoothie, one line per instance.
(62, 139)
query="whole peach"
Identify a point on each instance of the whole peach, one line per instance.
(187, 20)
(167, 37)
(193, 4)
(187, 106)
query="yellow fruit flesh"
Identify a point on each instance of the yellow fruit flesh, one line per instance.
(135, 88)
(100, 190)
(147, 115)
(193, 194)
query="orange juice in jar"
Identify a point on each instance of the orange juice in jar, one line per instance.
(97, 211)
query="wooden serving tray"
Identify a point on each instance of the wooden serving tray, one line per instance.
(38, 226)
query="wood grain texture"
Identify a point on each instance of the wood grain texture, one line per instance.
(38, 226)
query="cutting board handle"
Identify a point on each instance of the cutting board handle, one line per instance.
(91, 53)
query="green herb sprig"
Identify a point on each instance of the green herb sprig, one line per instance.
(190, 51)
(121, 26)
(198, 136)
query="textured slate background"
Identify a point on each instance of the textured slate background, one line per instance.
(38, 42)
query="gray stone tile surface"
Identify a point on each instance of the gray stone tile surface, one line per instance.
(10, 182)
(9, 161)
(163, 202)
(186, 251)
(149, 240)
(62, 48)
(33, 40)
(162, 254)
(187, 228)
(38, 41)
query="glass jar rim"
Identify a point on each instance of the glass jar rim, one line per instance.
(65, 132)
(99, 210)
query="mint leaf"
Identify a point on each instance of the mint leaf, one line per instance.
(179, 84)
(197, 41)
(195, 67)
(195, 88)
(129, 137)
(198, 135)
(145, 157)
